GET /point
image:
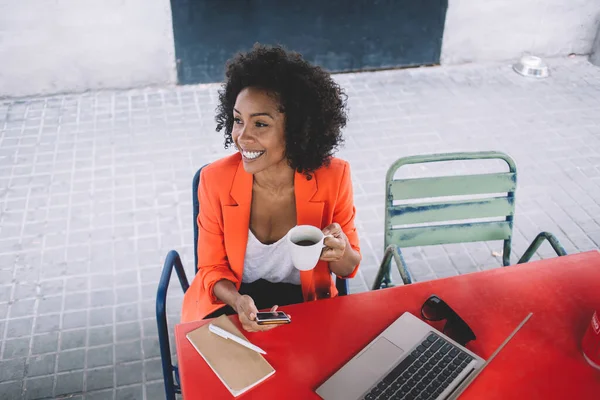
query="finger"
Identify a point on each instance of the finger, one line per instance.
(246, 324)
(329, 229)
(329, 257)
(253, 309)
(331, 253)
(334, 243)
(264, 328)
(248, 313)
(274, 309)
(333, 229)
(252, 325)
(269, 327)
(250, 309)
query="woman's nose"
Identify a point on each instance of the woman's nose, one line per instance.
(243, 134)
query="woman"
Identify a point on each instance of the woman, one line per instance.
(284, 117)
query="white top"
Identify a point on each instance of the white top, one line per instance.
(272, 262)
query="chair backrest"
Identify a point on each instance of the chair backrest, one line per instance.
(196, 205)
(341, 284)
(416, 216)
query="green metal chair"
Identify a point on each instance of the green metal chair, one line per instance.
(484, 212)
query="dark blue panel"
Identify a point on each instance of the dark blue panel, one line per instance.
(340, 35)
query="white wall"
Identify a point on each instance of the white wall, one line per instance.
(489, 30)
(53, 46)
(595, 56)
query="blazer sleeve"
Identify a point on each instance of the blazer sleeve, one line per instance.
(345, 212)
(213, 264)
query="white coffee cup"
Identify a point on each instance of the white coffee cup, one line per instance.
(305, 243)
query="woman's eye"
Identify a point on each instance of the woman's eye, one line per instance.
(237, 120)
(260, 125)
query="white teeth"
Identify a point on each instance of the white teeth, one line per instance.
(252, 154)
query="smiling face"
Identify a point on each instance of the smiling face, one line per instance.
(258, 130)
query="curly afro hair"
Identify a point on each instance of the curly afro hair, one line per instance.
(314, 105)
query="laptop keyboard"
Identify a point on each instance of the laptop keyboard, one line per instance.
(424, 373)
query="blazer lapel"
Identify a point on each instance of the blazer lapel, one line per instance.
(236, 218)
(308, 212)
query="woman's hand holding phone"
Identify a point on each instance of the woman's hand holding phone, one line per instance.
(247, 311)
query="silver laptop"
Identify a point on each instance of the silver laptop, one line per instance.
(408, 360)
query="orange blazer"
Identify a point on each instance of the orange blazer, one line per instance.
(225, 195)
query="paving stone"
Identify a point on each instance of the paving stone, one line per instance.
(52, 287)
(100, 395)
(151, 347)
(75, 319)
(71, 360)
(47, 323)
(128, 312)
(101, 378)
(153, 369)
(12, 369)
(127, 294)
(155, 391)
(45, 343)
(50, 304)
(69, 383)
(463, 263)
(128, 331)
(149, 309)
(150, 328)
(135, 392)
(102, 298)
(105, 281)
(18, 327)
(76, 284)
(100, 335)
(76, 301)
(129, 373)
(100, 356)
(130, 351)
(14, 348)
(39, 388)
(73, 339)
(41, 364)
(22, 308)
(10, 390)
(101, 316)
(25, 290)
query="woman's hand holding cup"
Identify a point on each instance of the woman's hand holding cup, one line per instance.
(335, 242)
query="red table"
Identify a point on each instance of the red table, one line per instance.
(543, 361)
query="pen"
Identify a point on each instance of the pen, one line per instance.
(227, 335)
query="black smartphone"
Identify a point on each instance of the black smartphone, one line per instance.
(272, 318)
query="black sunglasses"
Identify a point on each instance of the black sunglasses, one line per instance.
(436, 309)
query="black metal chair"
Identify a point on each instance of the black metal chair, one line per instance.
(173, 262)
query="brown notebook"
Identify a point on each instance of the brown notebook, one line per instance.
(238, 367)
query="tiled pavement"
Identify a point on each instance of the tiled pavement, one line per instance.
(95, 189)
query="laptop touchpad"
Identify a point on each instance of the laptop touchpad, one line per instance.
(379, 357)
